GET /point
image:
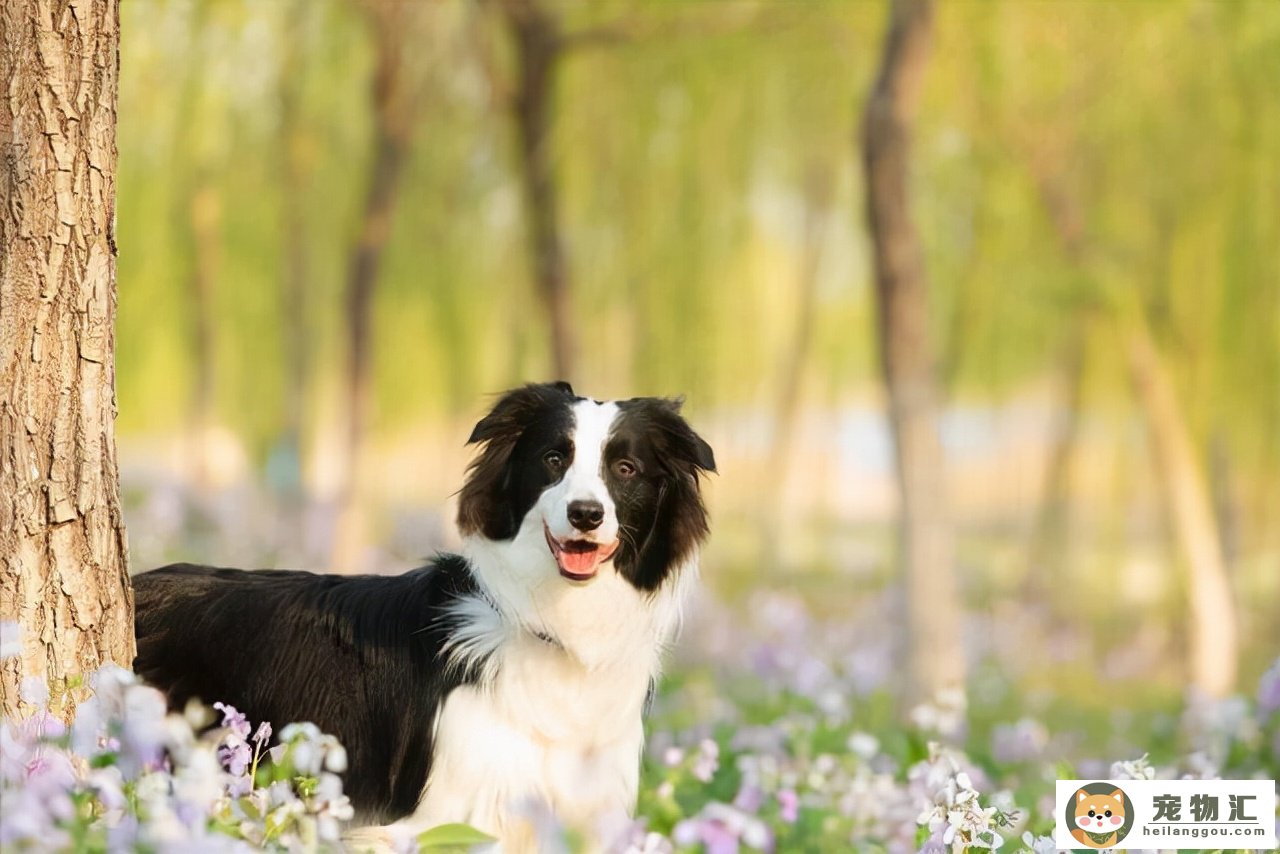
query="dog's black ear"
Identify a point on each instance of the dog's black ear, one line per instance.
(483, 502)
(516, 408)
(687, 444)
(703, 456)
(678, 521)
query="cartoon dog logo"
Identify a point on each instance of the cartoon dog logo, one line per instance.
(1099, 818)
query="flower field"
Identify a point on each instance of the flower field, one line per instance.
(774, 732)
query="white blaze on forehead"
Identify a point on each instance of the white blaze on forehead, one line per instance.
(592, 424)
(583, 480)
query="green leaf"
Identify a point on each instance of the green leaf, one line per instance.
(250, 808)
(103, 760)
(451, 838)
(305, 786)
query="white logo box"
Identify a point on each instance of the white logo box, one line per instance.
(1235, 813)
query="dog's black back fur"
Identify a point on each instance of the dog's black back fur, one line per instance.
(359, 656)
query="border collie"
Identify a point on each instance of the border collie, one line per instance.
(513, 673)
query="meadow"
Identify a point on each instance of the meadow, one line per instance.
(774, 731)
(777, 728)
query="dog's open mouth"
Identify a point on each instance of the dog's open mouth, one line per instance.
(578, 559)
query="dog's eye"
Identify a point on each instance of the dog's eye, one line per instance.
(625, 469)
(1091, 813)
(554, 461)
(1108, 813)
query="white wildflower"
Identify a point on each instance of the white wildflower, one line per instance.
(10, 639)
(863, 744)
(1133, 769)
(34, 690)
(1039, 844)
(945, 715)
(952, 808)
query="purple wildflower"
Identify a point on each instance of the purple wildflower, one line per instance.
(708, 760)
(233, 720)
(716, 838)
(750, 798)
(235, 756)
(1269, 691)
(789, 805)
(1024, 741)
(721, 828)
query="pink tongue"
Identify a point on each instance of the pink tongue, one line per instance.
(580, 563)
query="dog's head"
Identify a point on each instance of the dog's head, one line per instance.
(1100, 813)
(597, 480)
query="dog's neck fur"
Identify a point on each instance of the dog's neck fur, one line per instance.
(599, 624)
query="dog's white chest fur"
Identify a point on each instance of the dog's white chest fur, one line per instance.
(555, 724)
(546, 734)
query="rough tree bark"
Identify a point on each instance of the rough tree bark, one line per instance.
(393, 132)
(935, 656)
(62, 539)
(539, 49)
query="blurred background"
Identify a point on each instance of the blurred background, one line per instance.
(345, 225)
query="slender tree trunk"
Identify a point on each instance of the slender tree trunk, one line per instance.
(539, 50)
(1047, 541)
(62, 539)
(295, 277)
(204, 219)
(817, 193)
(1226, 505)
(1048, 532)
(393, 130)
(935, 655)
(1214, 642)
(197, 206)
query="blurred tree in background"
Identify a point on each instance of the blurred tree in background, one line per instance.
(661, 198)
(935, 659)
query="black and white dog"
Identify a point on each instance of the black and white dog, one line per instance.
(513, 672)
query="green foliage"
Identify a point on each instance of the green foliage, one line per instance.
(451, 839)
(683, 148)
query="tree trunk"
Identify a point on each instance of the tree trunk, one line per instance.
(293, 285)
(62, 539)
(1214, 643)
(197, 206)
(539, 49)
(1048, 541)
(817, 195)
(1044, 555)
(393, 129)
(203, 217)
(935, 654)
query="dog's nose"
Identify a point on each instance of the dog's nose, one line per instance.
(586, 515)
